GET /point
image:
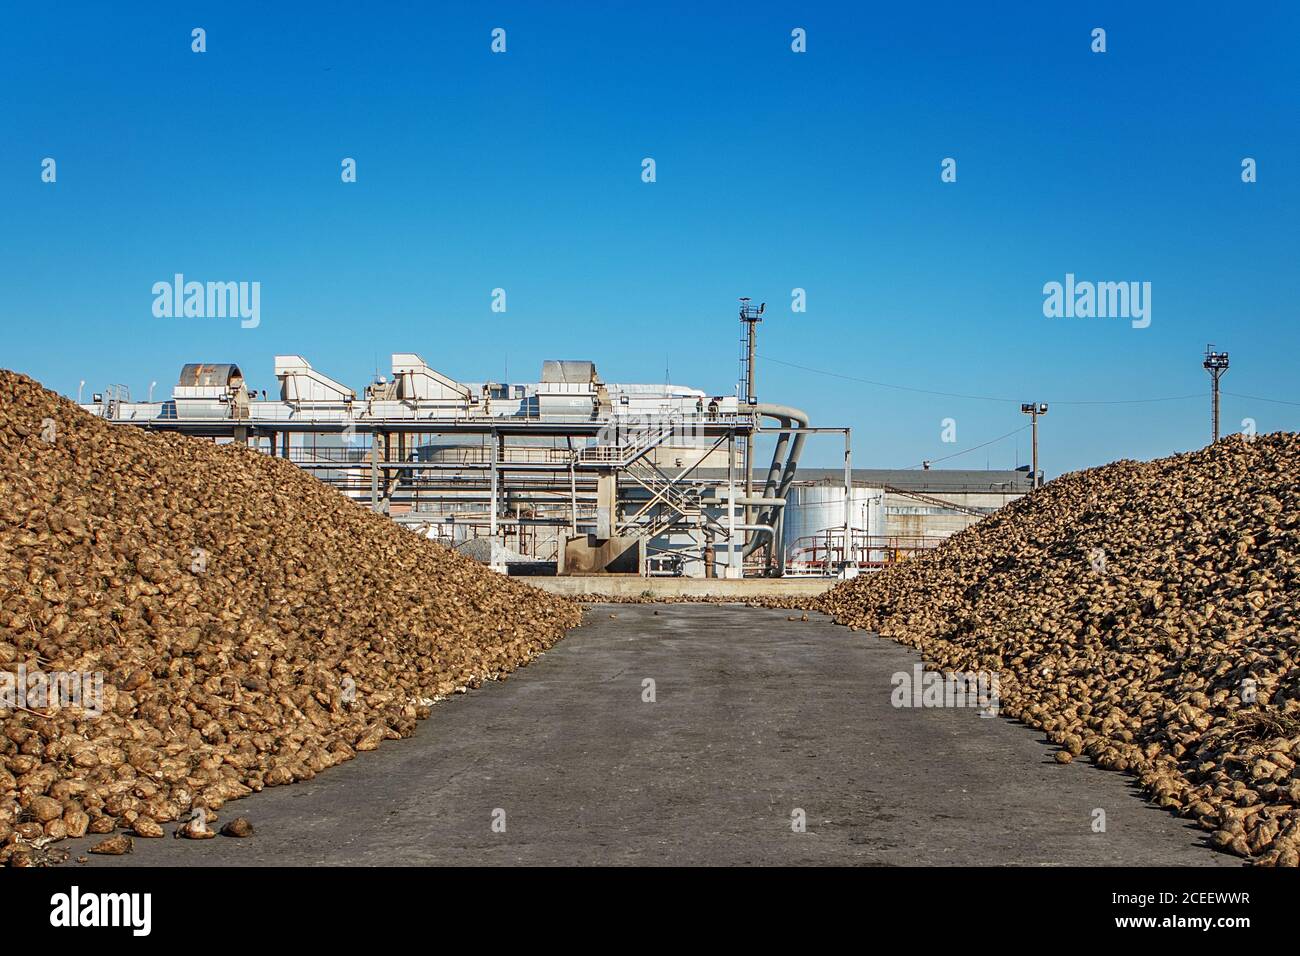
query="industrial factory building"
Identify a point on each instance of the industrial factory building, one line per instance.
(573, 475)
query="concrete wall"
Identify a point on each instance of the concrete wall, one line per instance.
(908, 517)
(682, 587)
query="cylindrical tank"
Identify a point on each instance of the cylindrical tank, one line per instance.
(814, 514)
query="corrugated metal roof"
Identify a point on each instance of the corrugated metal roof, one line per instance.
(935, 480)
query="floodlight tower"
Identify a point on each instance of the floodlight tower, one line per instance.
(1034, 410)
(1216, 363)
(749, 319)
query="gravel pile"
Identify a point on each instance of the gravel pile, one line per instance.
(250, 626)
(1143, 614)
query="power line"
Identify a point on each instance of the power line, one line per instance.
(989, 398)
(1133, 401)
(958, 454)
(980, 398)
(1256, 398)
(867, 381)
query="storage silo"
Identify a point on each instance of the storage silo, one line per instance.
(814, 524)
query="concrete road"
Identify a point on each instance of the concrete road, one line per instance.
(754, 718)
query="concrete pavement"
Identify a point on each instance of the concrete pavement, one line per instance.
(754, 718)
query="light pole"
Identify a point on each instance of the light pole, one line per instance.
(1034, 410)
(1216, 363)
(749, 319)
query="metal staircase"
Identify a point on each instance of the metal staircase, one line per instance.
(669, 503)
(622, 453)
(671, 500)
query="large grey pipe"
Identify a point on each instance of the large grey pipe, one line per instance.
(753, 541)
(787, 476)
(774, 470)
(779, 478)
(719, 499)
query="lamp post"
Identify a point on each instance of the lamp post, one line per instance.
(749, 319)
(1216, 363)
(1034, 410)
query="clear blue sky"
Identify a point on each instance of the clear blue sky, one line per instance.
(775, 170)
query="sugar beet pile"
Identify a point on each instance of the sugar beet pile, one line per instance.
(252, 626)
(1144, 614)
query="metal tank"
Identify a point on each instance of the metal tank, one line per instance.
(814, 520)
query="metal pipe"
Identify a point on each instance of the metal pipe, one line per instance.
(789, 415)
(848, 499)
(493, 439)
(374, 474)
(719, 498)
(774, 470)
(796, 447)
(731, 509)
(778, 543)
(573, 502)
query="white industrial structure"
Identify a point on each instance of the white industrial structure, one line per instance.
(571, 474)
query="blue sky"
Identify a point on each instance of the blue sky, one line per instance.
(775, 170)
